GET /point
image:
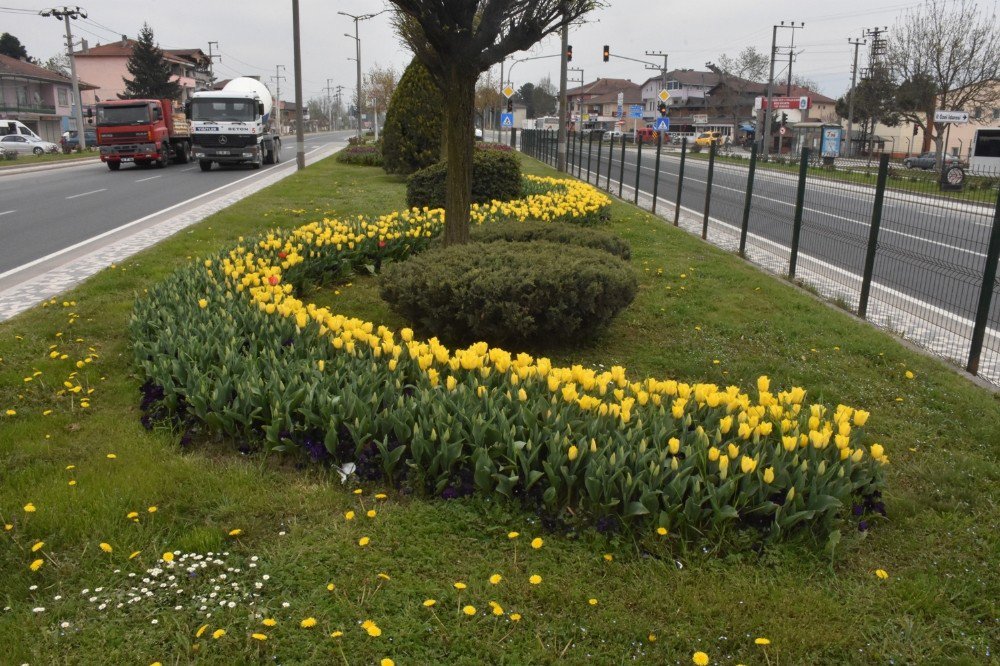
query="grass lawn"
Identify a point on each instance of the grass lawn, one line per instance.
(701, 315)
(32, 160)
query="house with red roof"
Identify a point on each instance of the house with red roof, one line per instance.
(38, 97)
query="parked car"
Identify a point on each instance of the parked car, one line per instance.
(708, 138)
(71, 139)
(27, 144)
(928, 159)
(614, 135)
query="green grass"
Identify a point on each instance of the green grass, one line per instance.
(939, 543)
(32, 160)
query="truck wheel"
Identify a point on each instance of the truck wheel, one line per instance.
(183, 154)
(257, 162)
(206, 165)
(114, 166)
(162, 160)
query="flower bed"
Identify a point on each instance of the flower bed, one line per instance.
(225, 343)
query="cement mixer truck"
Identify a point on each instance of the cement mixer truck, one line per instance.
(233, 125)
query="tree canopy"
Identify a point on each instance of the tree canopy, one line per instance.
(12, 46)
(151, 76)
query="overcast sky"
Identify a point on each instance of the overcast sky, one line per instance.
(256, 35)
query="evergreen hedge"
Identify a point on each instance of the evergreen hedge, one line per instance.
(496, 176)
(553, 232)
(414, 122)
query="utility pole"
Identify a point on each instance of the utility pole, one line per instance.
(561, 148)
(329, 108)
(300, 143)
(662, 70)
(357, 58)
(876, 69)
(211, 60)
(67, 13)
(339, 101)
(277, 78)
(768, 112)
(850, 102)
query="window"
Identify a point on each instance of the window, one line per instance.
(63, 94)
(977, 112)
(22, 96)
(996, 114)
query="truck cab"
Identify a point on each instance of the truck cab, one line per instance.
(141, 131)
(232, 126)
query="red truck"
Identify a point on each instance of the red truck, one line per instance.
(142, 131)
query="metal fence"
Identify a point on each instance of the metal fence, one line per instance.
(902, 248)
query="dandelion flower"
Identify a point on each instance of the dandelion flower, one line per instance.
(429, 602)
(364, 541)
(592, 602)
(37, 564)
(235, 532)
(469, 610)
(387, 662)
(218, 633)
(537, 542)
(132, 515)
(662, 531)
(495, 579)
(331, 587)
(308, 623)
(700, 659)
(336, 634)
(515, 617)
(371, 628)
(762, 641)
(909, 374)
(460, 585)
(348, 515)
(513, 535)
(608, 557)
(259, 637)
(358, 491)
(882, 573)
(37, 547)
(112, 456)
(535, 579)
(29, 508)
(381, 496)
(134, 554)
(151, 509)
(168, 557)
(384, 576)
(371, 513)
(106, 547)
(201, 630)
(269, 622)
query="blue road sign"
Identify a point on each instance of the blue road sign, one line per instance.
(662, 124)
(635, 111)
(506, 120)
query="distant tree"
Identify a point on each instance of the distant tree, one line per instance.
(378, 85)
(946, 56)
(318, 110)
(526, 95)
(487, 97)
(11, 46)
(457, 40)
(58, 63)
(739, 78)
(412, 136)
(874, 102)
(151, 77)
(546, 100)
(805, 82)
(749, 64)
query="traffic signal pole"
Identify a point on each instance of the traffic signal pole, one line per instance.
(561, 148)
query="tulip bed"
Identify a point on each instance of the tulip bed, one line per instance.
(225, 345)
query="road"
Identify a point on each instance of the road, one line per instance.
(45, 212)
(930, 250)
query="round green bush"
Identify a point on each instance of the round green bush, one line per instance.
(496, 175)
(506, 292)
(362, 155)
(553, 232)
(414, 121)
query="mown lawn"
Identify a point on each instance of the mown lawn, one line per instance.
(32, 160)
(701, 315)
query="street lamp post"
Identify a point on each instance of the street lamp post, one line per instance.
(357, 41)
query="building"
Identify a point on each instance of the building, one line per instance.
(595, 105)
(38, 97)
(105, 67)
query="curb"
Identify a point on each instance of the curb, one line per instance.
(48, 166)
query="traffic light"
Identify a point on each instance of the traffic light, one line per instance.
(607, 53)
(569, 53)
(662, 107)
(784, 118)
(510, 105)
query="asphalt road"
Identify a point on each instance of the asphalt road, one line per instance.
(46, 211)
(930, 250)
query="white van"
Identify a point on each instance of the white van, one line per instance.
(16, 127)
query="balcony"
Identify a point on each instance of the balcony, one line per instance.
(27, 108)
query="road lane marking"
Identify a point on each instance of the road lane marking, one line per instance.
(7, 212)
(143, 180)
(75, 196)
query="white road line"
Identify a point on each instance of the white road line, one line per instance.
(103, 189)
(143, 180)
(7, 212)
(124, 226)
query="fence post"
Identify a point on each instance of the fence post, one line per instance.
(621, 169)
(590, 154)
(747, 201)
(708, 190)
(579, 166)
(570, 143)
(800, 197)
(680, 182)
(656, 169)
(866, 277)
(638, 168)
(985, 292)
(597, 169)
(611, 159)
(513, 137)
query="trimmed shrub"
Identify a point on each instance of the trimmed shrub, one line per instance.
(505, 292)
(553, 232)
(496, 176)
(363, 155)
(414, 122)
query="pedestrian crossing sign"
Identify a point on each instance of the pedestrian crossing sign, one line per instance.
(662, 124)
(506, 120)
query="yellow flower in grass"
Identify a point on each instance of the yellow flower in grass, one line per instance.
(513, 535)
(336, 634)
(348, 515)
(259, 637)
(537, 543)
(429, 602)
(700, 659)
(662, 531)
(134, 554)
(387, 662)
(152, 509)
(515, 617)
(882, 574)
(36, 565)
(37, 546)
(235, 532)
(132, 515)
(269, 622)
(469, 610)
(168, 557)
(106, 547)
(762, 641)
(364, 541)
(29, 508)
(535, 579)
(460, 585)
(592, 601)
(202, 303)
(371, 628)
(495, 579)
(371, 513)
(218, 633)
(608, 557)
(308, 623)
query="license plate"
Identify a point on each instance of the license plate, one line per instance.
(222, 152)
(128, 159)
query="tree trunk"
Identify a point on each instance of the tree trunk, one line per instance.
(460, 96)
(928, 131)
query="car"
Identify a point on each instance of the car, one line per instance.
(27, 144)
(708, 138)
(928, 160)
(70, 140)
(614, 135)
(648, 135)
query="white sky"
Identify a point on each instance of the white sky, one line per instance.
(256, 35)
